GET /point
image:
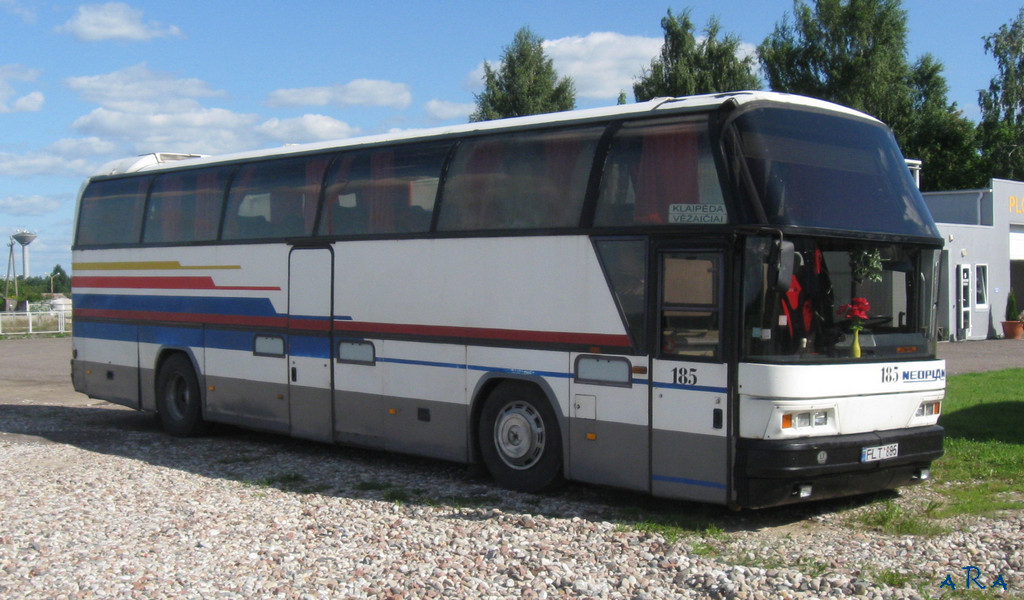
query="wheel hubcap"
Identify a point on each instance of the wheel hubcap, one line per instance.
(178, 396)
(519, 435)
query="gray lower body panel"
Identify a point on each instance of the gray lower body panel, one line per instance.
(605, 453)
(114, 383)
(690, 466)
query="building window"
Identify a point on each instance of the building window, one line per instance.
(981, 283)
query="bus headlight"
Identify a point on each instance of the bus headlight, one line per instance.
(804, 420)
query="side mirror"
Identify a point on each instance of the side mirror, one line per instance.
(781, 263)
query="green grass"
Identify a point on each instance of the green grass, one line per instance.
(288, 482)
(984, 419)
(983, 414)
(670, 523)
(894, 519)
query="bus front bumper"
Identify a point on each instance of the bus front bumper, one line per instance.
(776, 472)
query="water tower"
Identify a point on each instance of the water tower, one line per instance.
(24, 238)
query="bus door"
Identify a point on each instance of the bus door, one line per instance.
(310, 285)
(689, 407)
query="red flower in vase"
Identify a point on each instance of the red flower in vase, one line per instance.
(856, 311)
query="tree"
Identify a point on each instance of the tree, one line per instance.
(854, 52)
(940, 135)
(848, 51)
(524, 84)
(1001, 130)
(687, 66)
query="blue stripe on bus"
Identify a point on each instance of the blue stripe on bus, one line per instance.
(686, 481)
(312, 346)
(171, 336)
(115, 332)
(234, 306)
(446, 365)
(690, 388)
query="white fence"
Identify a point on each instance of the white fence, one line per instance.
(25, 323)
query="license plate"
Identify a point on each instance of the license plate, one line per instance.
(874, 453)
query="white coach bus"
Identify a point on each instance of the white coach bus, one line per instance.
(725, 298)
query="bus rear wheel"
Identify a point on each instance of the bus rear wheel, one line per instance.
(178, 398)
(520, 440)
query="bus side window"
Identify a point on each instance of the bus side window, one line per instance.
(111, 212)
(383, 191)
(185, 206)
(661, 174)
(524, 181)
(274, 199)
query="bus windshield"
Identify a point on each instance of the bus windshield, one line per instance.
(828, 171)
(884, 292)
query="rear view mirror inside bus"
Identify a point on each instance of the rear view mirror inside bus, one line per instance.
(781, 261)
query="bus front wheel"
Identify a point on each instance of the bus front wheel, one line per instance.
(520, 441)
(178, 399)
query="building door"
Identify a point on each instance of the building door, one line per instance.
(965, 279)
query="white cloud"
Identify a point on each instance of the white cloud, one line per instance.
(442, 110)
(602, 63)
(307, 128)
(139, 88)
(114, 21)
(17, 8)
(69, 157)
(45, 163)
(31, 103)
(359, 92)
(20, 206)
(79, 147)
(9, 103)
(191, 128)
(143, 110)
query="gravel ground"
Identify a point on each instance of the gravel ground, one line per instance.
(96, 502)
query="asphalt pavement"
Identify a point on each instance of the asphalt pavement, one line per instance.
(982, 355)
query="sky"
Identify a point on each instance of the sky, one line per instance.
(82, 84)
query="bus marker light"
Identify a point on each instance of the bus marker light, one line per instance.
(392, 411)
(211, 387)
(639, 370)
(591, 436)
(787, 421)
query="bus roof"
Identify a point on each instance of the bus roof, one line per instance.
(160, 160)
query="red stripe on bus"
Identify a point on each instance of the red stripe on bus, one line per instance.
(436, 331)
(160, 283)
(172, 317)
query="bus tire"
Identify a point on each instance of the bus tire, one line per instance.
(178, 398)
(520, 441)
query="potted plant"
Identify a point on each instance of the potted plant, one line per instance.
(1013, 326)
